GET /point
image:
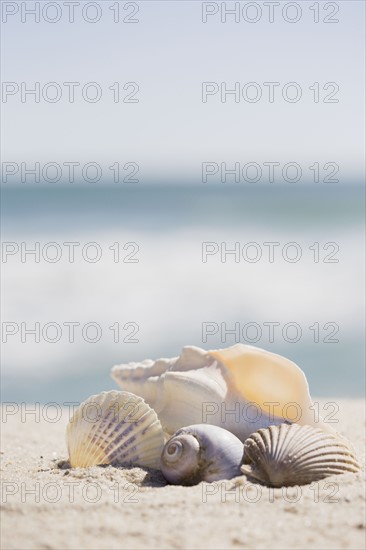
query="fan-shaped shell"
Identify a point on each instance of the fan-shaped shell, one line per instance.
(241, 388)
(201, 453)
(114, 427)
(290, 454)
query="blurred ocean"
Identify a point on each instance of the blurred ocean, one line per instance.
(170, 292)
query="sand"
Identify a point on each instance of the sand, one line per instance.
(45, 505)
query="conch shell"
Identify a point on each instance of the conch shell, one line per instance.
(113, 427)
(285, 455)
(201, 453)
(241, 388)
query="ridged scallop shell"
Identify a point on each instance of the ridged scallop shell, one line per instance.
(113, 427)
(286, 455)
(241, 388)
(201, 453)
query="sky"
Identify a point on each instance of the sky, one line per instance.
(168, 53)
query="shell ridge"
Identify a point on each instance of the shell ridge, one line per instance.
(302, 454)
(126, 440)
(110, 410)
(126, 428)
(285, 436)
(80, 418)
(297, 439)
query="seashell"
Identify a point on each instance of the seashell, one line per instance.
(241, 388)
(114, 426)
(201, 453)
(285, 455)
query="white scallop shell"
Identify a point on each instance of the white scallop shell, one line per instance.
(201, 453)
(286, 455)
(240, 388)
(113, 427)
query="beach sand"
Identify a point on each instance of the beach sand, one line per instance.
(47, 506)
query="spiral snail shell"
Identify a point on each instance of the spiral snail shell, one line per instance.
(201, 452)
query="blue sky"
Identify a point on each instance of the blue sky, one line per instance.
(169, 53)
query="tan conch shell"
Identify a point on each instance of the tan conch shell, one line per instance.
(114, 426)
(201, 453)
(241, 388)
(289, 454)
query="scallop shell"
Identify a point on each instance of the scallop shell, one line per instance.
(285, 455)
(241, 388)
(112, 427)
(201, 453)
